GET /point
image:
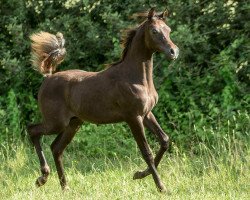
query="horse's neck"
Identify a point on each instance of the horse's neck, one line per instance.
(138, 62)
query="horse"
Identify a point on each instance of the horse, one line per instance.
(123, 92)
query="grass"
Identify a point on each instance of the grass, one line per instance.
(203, 176)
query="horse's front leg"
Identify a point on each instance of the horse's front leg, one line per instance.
(137, 128)
(153, 126)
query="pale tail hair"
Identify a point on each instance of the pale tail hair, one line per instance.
(47, 51)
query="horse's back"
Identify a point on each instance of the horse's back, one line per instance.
(77, 93)
(71, 75)
(53, 97)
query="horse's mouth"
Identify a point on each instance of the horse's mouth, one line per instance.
(170, 57)
(172, 54)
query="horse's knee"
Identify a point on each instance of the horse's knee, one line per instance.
(165, 142)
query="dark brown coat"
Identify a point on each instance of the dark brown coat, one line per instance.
(123, 92)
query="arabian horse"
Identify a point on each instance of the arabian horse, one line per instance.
(124, 92)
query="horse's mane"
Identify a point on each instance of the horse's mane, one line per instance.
(126, 42)
(128, 35)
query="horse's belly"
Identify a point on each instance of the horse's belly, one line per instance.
(95, 115)
(97, 110)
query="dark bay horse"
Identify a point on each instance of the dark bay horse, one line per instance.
(123, 92)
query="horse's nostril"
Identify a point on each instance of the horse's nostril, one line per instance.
(172, 51)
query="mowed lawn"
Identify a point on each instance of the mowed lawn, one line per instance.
(201, 176)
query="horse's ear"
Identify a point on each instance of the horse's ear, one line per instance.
(164, 14)
(151, 13)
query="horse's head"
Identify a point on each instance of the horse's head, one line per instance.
(157, 35)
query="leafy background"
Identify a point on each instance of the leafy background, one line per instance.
(204, 95)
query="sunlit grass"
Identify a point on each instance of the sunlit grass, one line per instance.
(201, 176)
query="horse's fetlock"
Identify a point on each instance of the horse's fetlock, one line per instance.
(45, 170)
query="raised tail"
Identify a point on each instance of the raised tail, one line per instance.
(47, 51)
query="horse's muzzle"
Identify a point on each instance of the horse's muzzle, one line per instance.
(174, 53)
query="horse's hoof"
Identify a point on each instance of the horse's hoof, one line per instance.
(162, 188)
(65, 188)
(40, 181)
(138, 175)
(141, 174)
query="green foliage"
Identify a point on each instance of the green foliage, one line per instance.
(11, 116)
(100, 141)
(204, 95)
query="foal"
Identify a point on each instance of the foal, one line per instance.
(123, 92)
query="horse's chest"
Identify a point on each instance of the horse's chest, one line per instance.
(147, 102)
(140, 99)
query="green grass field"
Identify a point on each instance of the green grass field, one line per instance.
(203, 176)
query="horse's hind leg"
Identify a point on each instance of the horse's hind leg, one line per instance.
(60, 143)
(35, 132)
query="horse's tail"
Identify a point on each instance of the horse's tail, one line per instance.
(47, 51)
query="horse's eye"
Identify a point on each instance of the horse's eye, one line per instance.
(154, 31)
